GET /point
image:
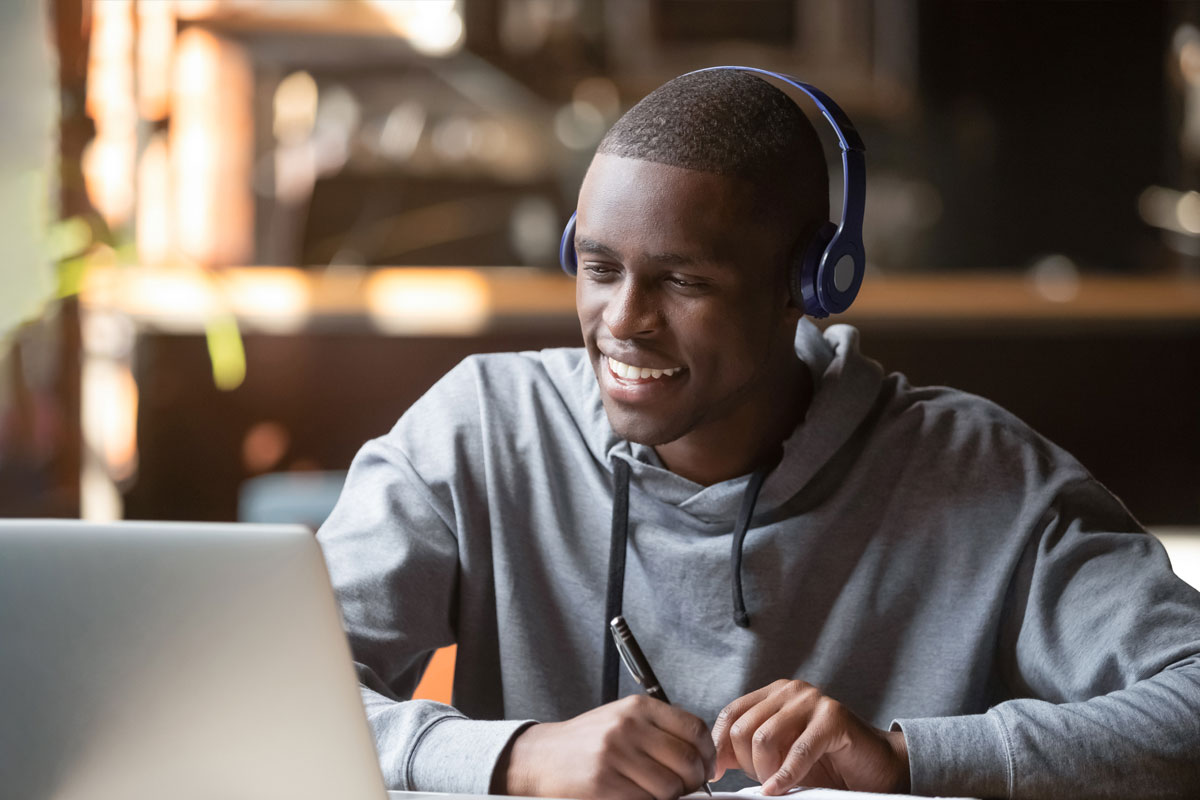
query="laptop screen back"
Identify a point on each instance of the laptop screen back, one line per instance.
(175, 660)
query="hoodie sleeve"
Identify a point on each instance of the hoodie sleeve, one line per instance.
(393, 557)
(1100, 651)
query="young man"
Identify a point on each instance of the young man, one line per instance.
(926, 595)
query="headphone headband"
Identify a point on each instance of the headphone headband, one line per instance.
(828, 279)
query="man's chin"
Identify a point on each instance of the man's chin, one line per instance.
(642, 428)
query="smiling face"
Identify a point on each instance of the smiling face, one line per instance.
(683, 305)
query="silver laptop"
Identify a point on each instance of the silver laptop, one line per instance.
(175, 660)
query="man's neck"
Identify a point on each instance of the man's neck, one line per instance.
(746, 440)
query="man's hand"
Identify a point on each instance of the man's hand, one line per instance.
(637, 747)
(789, 734)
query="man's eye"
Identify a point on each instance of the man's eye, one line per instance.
(598, 270)
(684, 283)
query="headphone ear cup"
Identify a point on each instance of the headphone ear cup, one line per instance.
(805, 268)
(566, 248)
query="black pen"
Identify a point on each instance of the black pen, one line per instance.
(635, 661)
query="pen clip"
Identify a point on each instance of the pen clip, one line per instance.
(625, 642)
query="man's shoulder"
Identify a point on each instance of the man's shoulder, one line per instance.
(958, 421)
(490, 398)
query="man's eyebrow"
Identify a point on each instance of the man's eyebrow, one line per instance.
(585, 245)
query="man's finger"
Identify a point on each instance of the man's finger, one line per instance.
(817, 740)
(725, 756)
(681, 757)
(774, 736)
(652, 776)
(686, 727)
(734, 710)
(684, 743)
(618, 784)
(744, 729)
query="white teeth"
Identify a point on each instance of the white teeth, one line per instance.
(630, 372)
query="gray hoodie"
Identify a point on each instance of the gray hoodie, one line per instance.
(920, 554)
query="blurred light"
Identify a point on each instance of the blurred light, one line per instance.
(579, 125)
(196, 9)
(428, 301)
(535, 230)
(337, 121)
(452, 138)
(432, 27)
(264, 446)
(182, 299)
(600, 93)
(295, 172)
(1187, 212)
(99, 498)
(110, 63)
(108, 168)
(211, 142)
(109, 160)
(338, 110)
(295, 106)
(154, 220)
(111, 335)
(402, 131)
(277, 300)
(1187, 43)
(155, 43)
(1170, 209)
(109, 415)
(1056, 278)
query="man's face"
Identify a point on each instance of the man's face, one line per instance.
(680, 277)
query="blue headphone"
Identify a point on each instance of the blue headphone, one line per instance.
(826, 276)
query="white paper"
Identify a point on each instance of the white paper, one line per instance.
(802, 793)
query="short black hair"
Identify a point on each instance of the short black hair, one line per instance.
(730, 122)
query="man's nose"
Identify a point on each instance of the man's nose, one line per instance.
(632, 311)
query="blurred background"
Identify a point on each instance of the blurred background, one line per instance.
(242, 236)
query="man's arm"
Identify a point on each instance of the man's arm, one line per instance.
(1101, 647)
(392, 546)
(392, 554)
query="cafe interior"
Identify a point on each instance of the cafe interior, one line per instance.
(243, 236)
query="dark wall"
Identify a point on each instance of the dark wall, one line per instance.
(1041, 124)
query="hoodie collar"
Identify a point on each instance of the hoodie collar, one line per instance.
(846, 385)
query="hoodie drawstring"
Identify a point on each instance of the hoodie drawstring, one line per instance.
(616, 561)
(616, 575)
(740, 617)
